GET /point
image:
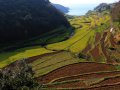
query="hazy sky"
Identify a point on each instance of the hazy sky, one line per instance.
(76, 2)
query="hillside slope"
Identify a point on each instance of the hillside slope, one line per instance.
(23, 19)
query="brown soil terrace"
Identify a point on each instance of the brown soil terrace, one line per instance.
(31, 59)
(106, 82)
(82, 84)
(109, 81)
(75, 69)
(106, 87)
(104, 49)
(89, 76)
(96, 53)
(86, 49)
(97, 37)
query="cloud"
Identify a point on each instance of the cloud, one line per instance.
(74, 2)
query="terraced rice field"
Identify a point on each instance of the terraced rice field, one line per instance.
(57, 65)
(10, 57)
(48, 63)
(88, 76)
(76, 76)
(75, 69)
(83, 36)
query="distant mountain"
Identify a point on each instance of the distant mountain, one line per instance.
(113, 8)
(61, 8)
(26, 19)
(103, 7)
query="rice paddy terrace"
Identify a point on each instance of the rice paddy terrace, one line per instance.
(84, 61)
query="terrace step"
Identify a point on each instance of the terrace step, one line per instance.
(76, 69)
(87, 83)
(88, 76)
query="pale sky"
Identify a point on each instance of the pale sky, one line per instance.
(76, 2)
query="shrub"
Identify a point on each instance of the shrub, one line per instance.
(19, 79)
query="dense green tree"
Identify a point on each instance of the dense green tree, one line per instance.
(18, 79)
(25, 19)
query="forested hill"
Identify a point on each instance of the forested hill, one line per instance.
(25, 19)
